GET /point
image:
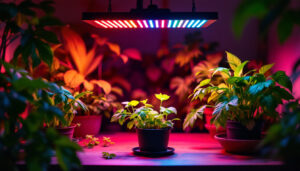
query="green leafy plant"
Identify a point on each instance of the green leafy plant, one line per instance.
(267, 11)
(29, 22)
(24, 108)
(145, 117)
(244, 97)
(68, 104)
(108, 155)
(107, 141)
(283, 138)
(92, 141)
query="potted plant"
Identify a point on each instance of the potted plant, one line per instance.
(98, 106)
(153, 127)
(69, 105)
(245, 100)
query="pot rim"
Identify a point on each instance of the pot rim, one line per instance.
(168, 128)
(67, 127)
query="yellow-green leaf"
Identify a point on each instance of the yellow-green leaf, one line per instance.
(233, 61)
(204, 82)
(133, 103)
(162, 97)
(265, 68)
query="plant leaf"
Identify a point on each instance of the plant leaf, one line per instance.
(73, 79)
(239, 69)
(162, 97)
(281, 78)
(233, 61)
(103, 84)
(265, 68)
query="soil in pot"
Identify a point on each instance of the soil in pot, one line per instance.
(89, 125)
(153, 140)
(66, 131)
(235, 130)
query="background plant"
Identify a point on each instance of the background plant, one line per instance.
(29, 22)
(267, 11)
(145, 117)
(68, 104)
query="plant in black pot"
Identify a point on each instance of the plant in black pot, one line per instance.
(245, 100)
(153, 127)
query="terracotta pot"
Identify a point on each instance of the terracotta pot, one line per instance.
(66, 131)
(153, 140)
(89, 125)
(208, 114)
(235, 130)
(212, 129)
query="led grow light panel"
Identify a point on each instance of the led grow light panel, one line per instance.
(150, 20)
(151, 24)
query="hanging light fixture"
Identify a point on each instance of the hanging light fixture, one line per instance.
(150, 18)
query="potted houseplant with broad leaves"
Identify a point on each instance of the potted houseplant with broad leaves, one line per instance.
(98, 106)
(245, 101)
(153, 127)
(68, 104)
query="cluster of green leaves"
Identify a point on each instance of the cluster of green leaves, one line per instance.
(67, 103)
(92, 141)
(243, 97)
(108, 155)
(145, 117)
(283, 139)
(267, 11)
(29, 21)
(24, 108)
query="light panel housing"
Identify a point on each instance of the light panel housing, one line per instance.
(150, 20)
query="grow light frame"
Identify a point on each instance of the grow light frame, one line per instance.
(150, 19)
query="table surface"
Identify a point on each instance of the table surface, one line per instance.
(191, 149)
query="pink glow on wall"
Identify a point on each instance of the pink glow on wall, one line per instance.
(285, 55)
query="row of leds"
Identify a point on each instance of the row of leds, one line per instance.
(150, 23)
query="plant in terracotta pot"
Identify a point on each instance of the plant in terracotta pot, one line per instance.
(153, 127)
(98, 106)
(68, 104)
(246, 99)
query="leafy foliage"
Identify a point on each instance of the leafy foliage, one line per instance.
(92, 141)
(282, 140)
(243, 97)
(145, 117)
(108, 155)
(30, 22)
(107, 141)
(267, 11)
(24, 108)
(67, 103)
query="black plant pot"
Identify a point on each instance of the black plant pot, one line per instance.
(235, 130)
(153, 140)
